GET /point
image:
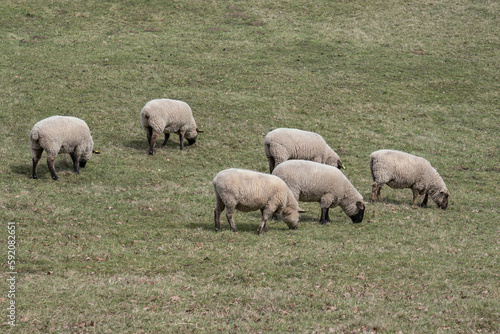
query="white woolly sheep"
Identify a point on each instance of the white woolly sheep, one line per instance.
(61, 134)
(314, 182)
(284, 144)
(168, 116)
(246, 190)
(403, 170)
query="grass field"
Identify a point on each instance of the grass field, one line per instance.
(128, 246)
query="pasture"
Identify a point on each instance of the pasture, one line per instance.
(128, 245)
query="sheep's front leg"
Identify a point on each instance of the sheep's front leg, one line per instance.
(424, 202)
(324, 216)
(181, 139)
(36, 157)
(266, 214)
(52, 170)
(272, 216)
(167, 135)
(76, 160)
(154, 136)
(415, 196)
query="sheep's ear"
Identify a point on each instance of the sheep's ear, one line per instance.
(302, 211)
(360, 205)
(199, 131)
(96, 152)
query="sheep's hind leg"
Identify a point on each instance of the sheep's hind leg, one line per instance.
(149, 133)
(37, 154)
(272, 163)
(52, 170)
(376, 191)
(219, 207)
(217, 218)
(152, 142)
(230, 219)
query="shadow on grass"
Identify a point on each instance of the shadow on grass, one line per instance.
(62, 166)
(141, 145)
(253, 225)
(24, 169)
(403, 203)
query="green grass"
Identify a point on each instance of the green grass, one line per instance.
(129, 246)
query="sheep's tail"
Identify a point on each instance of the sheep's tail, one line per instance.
(144, 118)
(269, 156)
(34, 135)
(267, 150)
(371, 168)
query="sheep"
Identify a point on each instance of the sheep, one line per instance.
(284, 144)
(315, 182)
(246, 190)
(167, 116)
(61, 134)
(403, 170)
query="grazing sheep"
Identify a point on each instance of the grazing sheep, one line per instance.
(167, 116)
(246, 190)
(61, 134)
(314, 182)
(284, 144)
(403, 170)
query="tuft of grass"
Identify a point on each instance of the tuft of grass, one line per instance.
(129, 244)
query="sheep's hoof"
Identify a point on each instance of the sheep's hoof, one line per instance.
(55, 178)
(35, 177)
(323, 222)
(150, 153)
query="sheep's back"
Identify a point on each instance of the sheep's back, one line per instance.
(62, 133)
(248, 189)
(311, 179)
(397, 169)
(166, 115)
(298, 143)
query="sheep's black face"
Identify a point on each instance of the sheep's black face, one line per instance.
(83, 163)
(358, 218)
(443, 204)
(191, 141)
